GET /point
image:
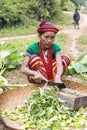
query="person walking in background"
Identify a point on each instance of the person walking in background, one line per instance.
(43, 60)
(76, 18)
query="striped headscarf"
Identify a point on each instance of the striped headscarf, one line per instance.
(47, 27)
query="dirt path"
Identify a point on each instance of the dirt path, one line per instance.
(17, 37)
(74, 34)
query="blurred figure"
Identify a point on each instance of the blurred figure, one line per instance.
(76, 18)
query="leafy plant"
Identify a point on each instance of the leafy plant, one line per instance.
(9, 57)
(79, 65)
(17, 12)
(84, 76)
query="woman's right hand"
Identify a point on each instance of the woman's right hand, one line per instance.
(37, 77)
(34, 78)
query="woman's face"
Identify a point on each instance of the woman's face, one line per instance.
(47, 39)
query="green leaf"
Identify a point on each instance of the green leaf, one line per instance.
(3, 80)
(4, 54)
(9, 56)
(79, 65)
(82, 58)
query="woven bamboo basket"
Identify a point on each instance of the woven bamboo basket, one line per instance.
(11, 98)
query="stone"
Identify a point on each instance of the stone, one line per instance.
(74, 99)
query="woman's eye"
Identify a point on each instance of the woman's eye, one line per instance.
(51, 37)
(46, 37)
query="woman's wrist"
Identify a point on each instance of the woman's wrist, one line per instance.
(31, 72)
(58, 75)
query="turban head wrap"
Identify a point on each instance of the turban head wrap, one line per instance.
(46, 27)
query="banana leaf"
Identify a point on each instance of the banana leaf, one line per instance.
(79, 65)
(9, 56)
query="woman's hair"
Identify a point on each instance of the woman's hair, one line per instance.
(47, 27)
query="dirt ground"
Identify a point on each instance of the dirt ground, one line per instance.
(74, 34)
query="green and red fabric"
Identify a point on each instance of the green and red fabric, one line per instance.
(38, 65)
(33, 49)
(46, 67)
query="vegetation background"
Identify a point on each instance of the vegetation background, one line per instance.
(23, 16)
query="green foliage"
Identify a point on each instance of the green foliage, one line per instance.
(21, 12)
(20, 29)
(9, 14)
(84, 76)
(83, 40)
(82, 43)
(78, 2)
(13, 13)
(9, 57)
(79, 65)
(68, 5)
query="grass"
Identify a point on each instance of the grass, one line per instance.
(62, 39)
(65, 20)
(77, 78)
(23, 43)
(82, 43)
(18, 30)
(30, 28)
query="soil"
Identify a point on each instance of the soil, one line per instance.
(74, 34)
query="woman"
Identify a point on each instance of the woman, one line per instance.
(43, 60)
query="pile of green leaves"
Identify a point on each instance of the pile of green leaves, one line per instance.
(46, 111)
(9, 57)
(79, 65)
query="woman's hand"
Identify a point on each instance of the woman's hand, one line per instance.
(37, 77)
(34, 78)
(59, 82)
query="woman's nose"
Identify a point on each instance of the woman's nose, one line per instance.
(49, 39)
